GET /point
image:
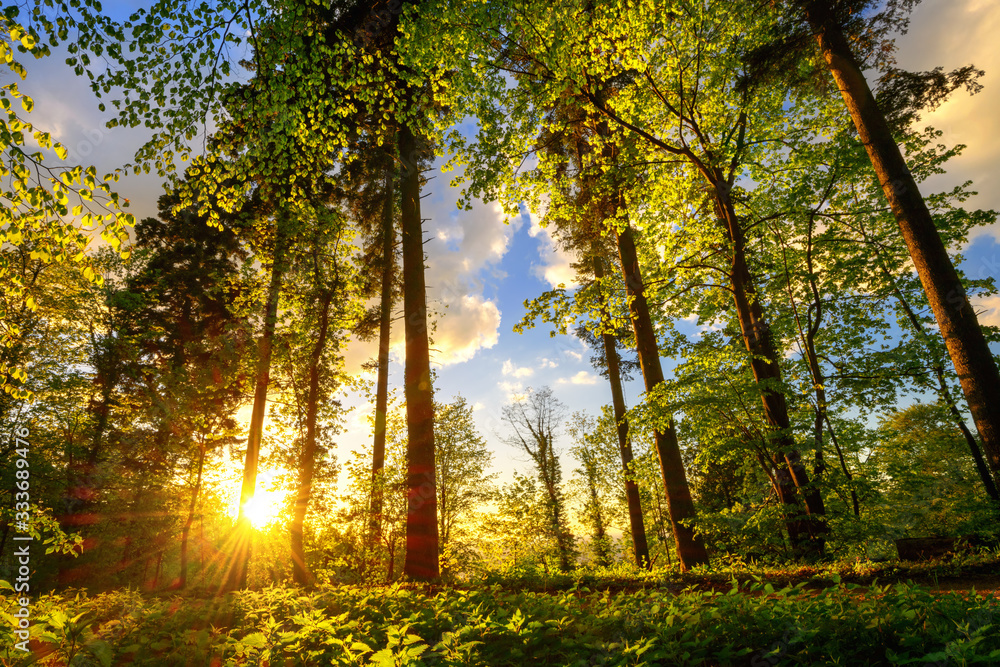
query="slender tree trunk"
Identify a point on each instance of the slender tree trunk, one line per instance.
(242, 533)
(384, 331)
(661, 524)
(186, 531)
(443, 528)
(937, 365)
(843, 466)
(956, 318)
(981, 466)
(767, 372)
(640, 547)
(201, 547)
(307, 463)
(690, 547)
(159, 565)
(421, 562)
(103, 414)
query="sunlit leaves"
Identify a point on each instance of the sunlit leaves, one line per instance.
(37, 215)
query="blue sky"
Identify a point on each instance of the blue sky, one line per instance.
(480, 270)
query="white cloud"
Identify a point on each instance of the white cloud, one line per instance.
(462, 245)
(470, 324)
(555, 267)
(583, 377)
(988, 310)
(547, 363)
(512, 389)
(519, 372)
(952, 34)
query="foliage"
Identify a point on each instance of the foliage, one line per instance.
(464, 481)
(754, 623)
(49, 211)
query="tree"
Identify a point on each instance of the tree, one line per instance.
(464, 482)
(349, 544)
(831, 24)
(534, 418)
(47, 208)
(596, 206)
(323, 294)
(614, 373)
(421, 527)
(191, 338)
(928, 476)
(373, 205)
(522, 538)
(598, 481)
(279, 239)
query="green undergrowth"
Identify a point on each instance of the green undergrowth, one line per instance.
(960, 566)
(755, 624)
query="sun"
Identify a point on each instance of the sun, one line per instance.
(264, 507)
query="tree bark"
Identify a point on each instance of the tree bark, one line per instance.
(186, 531)
(956, 318)
(640, 546)
(937, 365)
(242, 532)
(759, 342)
(382, 383)
(421, 562)
(843, 466)
(307, 463)
(690, 547)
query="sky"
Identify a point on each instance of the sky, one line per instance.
(480, 269)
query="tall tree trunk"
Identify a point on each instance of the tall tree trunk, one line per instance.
(937, 365)
(421, 562)
(307, 463)
(764, 362)
(186, 531)
(242, 533)
(661, 523)
(159, 566)
(956, 318)
(690, 547)
(981, 466)
(384, 331)
(640, 547)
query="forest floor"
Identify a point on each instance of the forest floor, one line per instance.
(845, 613)
(978, 572)
(981, 575)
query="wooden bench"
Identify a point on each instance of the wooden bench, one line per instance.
(925, 548)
